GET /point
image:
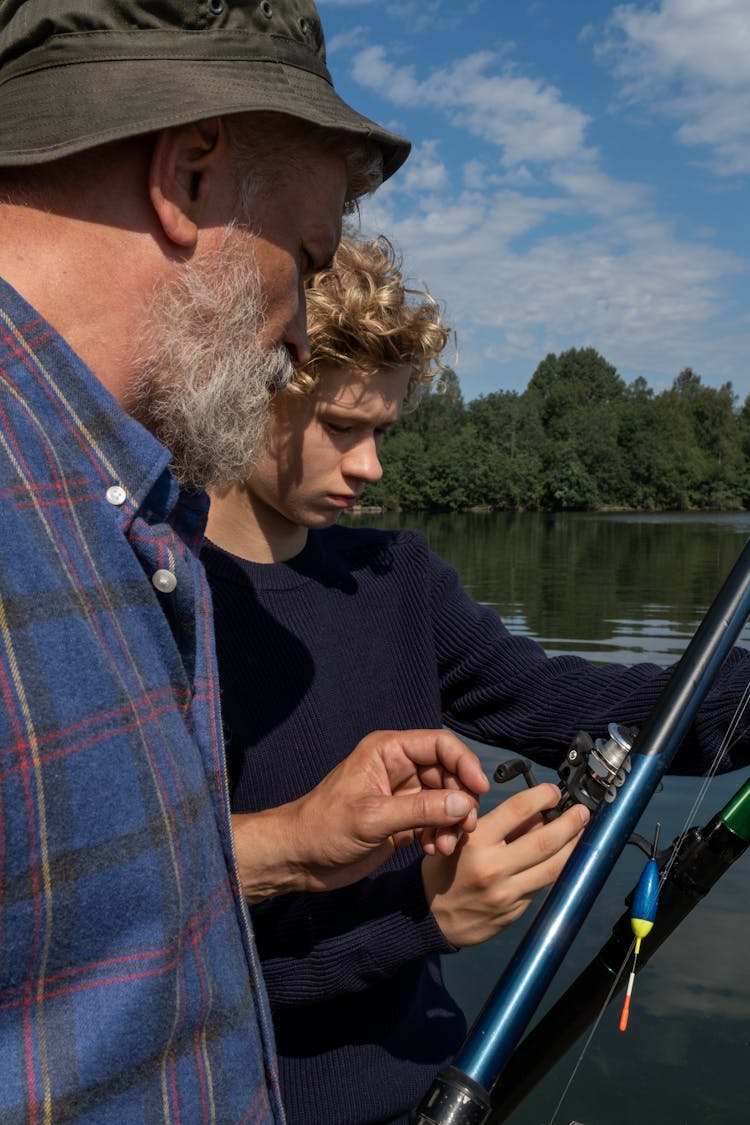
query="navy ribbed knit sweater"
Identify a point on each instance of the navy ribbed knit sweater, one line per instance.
(369, 630)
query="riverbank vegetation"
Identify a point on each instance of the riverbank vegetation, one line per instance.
(578, 438)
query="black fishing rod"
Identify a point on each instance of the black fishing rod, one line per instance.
(693, 865)
(460, 1094)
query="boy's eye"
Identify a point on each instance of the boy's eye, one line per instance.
(338, 428)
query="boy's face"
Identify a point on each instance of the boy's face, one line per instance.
(323, 448)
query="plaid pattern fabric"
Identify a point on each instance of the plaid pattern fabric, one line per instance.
(129, 987)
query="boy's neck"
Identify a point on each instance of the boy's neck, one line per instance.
(241, 524)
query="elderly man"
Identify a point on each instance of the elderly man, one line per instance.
(169, 175)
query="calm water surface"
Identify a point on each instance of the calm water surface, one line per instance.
(622, 588)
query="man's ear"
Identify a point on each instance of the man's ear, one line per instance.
(184, 162)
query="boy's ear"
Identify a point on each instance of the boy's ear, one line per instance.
(184, 162)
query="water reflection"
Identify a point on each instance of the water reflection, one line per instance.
(572, 581)
(624, 588)
(697, 984)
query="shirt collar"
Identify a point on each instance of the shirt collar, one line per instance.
(114, 448)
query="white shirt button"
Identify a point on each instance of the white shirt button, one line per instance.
(163, 581)
(116, 495)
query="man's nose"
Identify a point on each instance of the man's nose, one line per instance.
(296, 339)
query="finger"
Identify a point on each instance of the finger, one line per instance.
(519, 813)
(427, 809)
(434, 841)
(432, 752)
(461, 761)
(528, 883)
(537, 847)
(445, 840)
(438, 778)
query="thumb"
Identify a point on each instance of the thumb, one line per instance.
(429, 809)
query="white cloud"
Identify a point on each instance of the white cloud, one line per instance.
(477, 177)
(424, 15)
(689, 60)
(424, 171)
(625, 285)
(346, 41)
(696, 39)
(593, 189)
(524, 117)
(530, 243)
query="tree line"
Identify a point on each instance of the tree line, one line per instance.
(578, 438)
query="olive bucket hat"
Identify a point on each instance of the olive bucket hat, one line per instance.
(79, 73)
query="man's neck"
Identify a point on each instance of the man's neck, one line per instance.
(241, 524)
(63, 267)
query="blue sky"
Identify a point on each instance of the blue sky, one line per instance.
(579, 175)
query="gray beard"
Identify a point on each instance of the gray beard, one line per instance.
(204, 382)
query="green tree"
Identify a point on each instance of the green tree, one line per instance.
(710, 415)
(579, 398)
(508, 442)
(577, 438)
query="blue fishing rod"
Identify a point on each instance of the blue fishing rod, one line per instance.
(461, 1093)
(688, 870)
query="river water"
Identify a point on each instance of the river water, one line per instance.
(621, 587)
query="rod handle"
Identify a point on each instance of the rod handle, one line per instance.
(453, 1099)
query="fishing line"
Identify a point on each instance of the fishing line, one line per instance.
(731, 735)
(590, 1036)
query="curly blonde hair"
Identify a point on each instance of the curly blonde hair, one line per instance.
(360, 314)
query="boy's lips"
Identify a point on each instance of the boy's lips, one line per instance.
(343, 501)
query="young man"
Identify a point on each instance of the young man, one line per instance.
(138, 232)
(361, 624)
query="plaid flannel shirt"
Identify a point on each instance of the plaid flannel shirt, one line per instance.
(129, 986)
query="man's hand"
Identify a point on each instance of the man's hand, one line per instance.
(492, 875)
(395, 786)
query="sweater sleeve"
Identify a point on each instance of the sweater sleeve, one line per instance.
(318, 946)
(505, 690)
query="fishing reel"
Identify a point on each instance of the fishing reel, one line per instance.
(592, 772)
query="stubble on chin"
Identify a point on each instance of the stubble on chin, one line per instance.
(204, 380)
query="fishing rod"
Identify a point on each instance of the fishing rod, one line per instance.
(461, 1093)
(692, 865)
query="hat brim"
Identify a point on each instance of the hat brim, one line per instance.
(116, 99)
